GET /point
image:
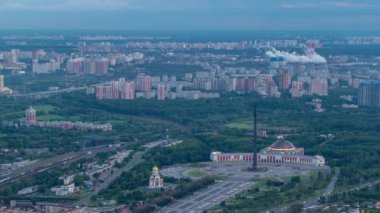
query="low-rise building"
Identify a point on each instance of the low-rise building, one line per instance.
(67, 179)
(28, 190)
(98, 169)
(63, 190)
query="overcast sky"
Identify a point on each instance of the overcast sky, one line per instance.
(191, 14)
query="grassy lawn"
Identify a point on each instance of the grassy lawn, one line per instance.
(44, 108)
(115, 122)
(247, 125)
(241, 125)
(219, 177)
(46, 113)
(49, 117)
(196, 173)
(263, 196)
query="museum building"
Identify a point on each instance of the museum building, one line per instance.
(280, 152)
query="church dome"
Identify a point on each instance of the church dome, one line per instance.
(282, 145)
(155, 168)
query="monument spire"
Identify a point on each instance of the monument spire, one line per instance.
(254, 162)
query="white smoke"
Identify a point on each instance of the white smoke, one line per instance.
(310, 57)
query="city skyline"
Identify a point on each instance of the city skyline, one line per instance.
(147, 105)
(191, 15)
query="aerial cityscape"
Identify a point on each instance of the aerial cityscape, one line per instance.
(195, 106)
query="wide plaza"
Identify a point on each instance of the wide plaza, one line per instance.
(233, 178)
(233, 170)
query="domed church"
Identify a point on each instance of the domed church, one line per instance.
(155, 181)
(280, 152)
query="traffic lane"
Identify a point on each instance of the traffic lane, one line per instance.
(210, 197)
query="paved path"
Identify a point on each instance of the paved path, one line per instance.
(330, 188)
(207, 198)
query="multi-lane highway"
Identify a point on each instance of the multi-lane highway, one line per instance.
(312, 202)
(136, 159)
(330, 188)
(44, 94)
(208, 198)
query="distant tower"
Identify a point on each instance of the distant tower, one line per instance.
(285, 79)
(144, 83)
(161, 92)
(155, 181)
(369, 94)
(115, 90)
(254, 163)
(167, 134)
(30, 116)
(1, 83)
(128, 91)
(319, 86)
(13, 56)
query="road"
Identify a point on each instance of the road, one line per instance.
(326, 141)
(330, 188)
(359, 187)
(105, 209)
(136, 159)
(315, 200)
(44, 94)
(208, 198)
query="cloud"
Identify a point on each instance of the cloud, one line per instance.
(311, 57)
(340, 4)
(14, 6)
(69, 5)
(328, 5)
(297, 6)
(179, 4)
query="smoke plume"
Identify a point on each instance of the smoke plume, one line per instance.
(310, 57)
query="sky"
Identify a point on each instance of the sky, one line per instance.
(179, 15)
